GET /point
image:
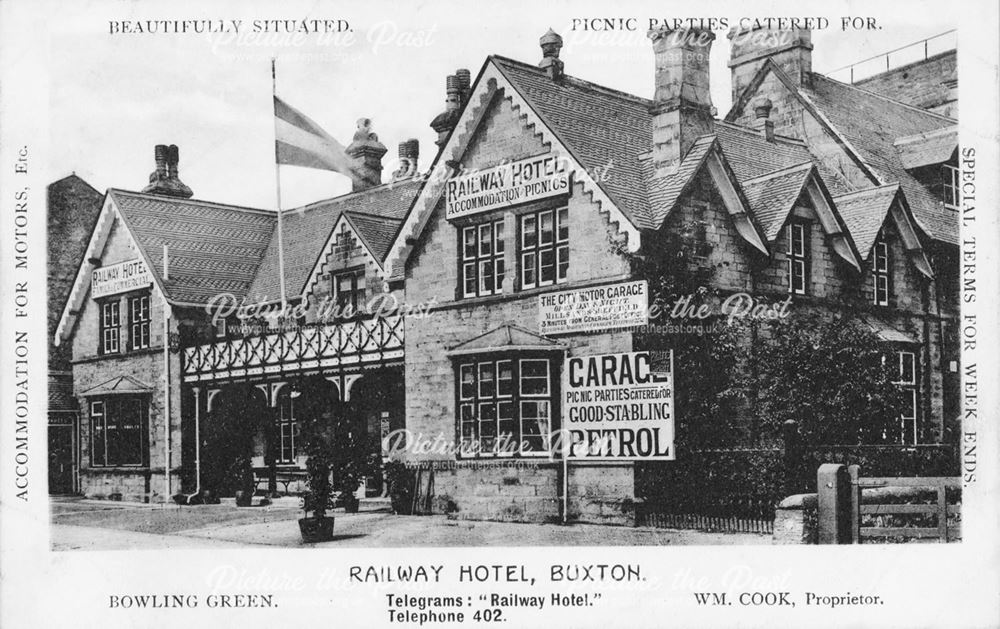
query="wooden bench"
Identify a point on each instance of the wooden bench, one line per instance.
(284, 476)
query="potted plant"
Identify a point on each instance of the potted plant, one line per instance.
(316, 525)
(339, 454)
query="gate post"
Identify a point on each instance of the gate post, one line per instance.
(792, 456)
(833, 489)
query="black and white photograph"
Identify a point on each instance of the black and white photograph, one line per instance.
(455, 314)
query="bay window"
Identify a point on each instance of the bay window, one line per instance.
(117, 429)
(505, 406)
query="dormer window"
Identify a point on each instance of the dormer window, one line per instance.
(348, 291)
(950, 186)
(797, 255)
(880, 273)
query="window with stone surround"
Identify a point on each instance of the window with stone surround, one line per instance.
(505, 405)
(543, 239)
(906, 380)
(117, 426)
(950, 186)
(139, 320)
(347, 289)
(110, 327)
(482, 264)
(880, 273)
(797, 256)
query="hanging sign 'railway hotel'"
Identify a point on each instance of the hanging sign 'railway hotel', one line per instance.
(528, 256)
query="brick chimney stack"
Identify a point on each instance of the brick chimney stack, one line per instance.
(367, 152)
(165, 179)
(551, 44)
(790, 49)
(682, 103)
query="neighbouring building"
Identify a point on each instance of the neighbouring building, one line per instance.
(73, 206)
(840, 198)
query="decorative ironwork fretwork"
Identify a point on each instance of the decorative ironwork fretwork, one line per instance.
(360, 342)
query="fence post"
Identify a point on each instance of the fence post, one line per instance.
(833, 486)
(792, 455)
(854, 473)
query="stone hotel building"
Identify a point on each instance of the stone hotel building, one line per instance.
(840, 196)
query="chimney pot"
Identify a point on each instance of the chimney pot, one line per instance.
(464, 83)
(762, 117)
(367, 152)
(409, 152)
(160, 157)
(551, 44)
(164, 180)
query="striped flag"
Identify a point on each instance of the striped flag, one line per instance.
(301, 142)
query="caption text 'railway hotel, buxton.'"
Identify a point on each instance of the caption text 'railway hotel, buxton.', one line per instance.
(832, 194)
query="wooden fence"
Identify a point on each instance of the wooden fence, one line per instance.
(864, 510)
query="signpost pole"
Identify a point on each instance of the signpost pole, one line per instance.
(565, 486)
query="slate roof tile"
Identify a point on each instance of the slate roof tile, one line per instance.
(871, 124)
(864, 213)
(307, 229)
(212, 247)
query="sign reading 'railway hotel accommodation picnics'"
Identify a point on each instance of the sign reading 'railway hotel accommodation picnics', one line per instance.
(514, 182)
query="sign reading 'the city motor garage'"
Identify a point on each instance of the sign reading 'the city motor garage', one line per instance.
(597, 308)
(507, 184)
(619, 406)
(119, 278)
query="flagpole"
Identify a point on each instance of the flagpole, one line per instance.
(277, 181)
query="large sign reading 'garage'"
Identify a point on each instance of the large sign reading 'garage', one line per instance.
(507, 184)
(619, 406)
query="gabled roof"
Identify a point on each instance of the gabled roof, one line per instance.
(212, 248)
(866, 211)
(374, 214)
(506, 338)
(599, 126)
(120, 385)
(868, 125)
(376, 232)
(926, 149)
(705, 153)
(872, 123)
(773, 196)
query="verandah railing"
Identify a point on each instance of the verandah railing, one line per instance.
(347, 343)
